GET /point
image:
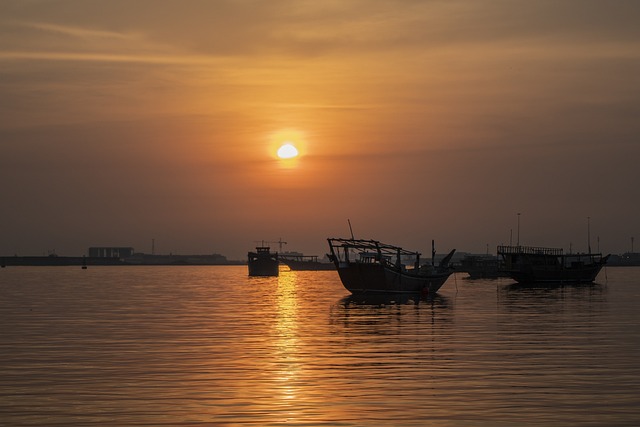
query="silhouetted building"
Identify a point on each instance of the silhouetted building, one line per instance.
(110, 252)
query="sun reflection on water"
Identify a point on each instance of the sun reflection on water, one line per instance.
(286, 335)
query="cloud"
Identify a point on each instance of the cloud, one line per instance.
(161, 31)
(78, 32)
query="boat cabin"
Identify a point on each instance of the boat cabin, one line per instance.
(373, 257)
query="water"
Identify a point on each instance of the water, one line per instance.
(174, 346)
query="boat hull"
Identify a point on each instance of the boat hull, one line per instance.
(359, 278)
(263, 268)
(586, 274)
(263, 262)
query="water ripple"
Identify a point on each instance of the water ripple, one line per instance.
(211, 346)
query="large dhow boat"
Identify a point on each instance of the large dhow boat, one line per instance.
(263, 262)
(372, 266)
(527, 264)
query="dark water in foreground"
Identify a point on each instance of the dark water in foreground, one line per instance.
(177, 346)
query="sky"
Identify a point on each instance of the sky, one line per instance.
(123, 123)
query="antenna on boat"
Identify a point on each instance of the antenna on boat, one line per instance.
(351, 229)
(589, 233)
(433, 252)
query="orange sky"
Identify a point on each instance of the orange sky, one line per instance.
(122, 122)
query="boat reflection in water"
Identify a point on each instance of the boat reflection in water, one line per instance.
(390, 299)
(402, 315)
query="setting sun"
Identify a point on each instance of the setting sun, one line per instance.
(287, 151)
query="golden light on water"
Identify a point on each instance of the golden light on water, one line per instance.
(286, 329)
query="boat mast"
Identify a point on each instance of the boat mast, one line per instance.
(433, 252)
(589, 234)
(351, 229)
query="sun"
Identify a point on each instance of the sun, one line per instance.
(287, 151)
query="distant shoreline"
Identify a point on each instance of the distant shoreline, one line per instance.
(159, 260)
(628, 259)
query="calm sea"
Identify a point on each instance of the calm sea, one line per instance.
(175, 346)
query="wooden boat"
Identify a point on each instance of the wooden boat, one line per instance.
(526, 264)
(298, 262)
(627, 259)
(372, 266)
(481, 267)
(263, 262)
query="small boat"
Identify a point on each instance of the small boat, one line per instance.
(299, 262)
(481, 267)
(263, 262)
(372, 266)
(526, 264)
(627, 259)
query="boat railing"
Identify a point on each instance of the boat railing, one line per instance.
(370, 252)
(369, 246)
(301, 258)
(528, 250)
